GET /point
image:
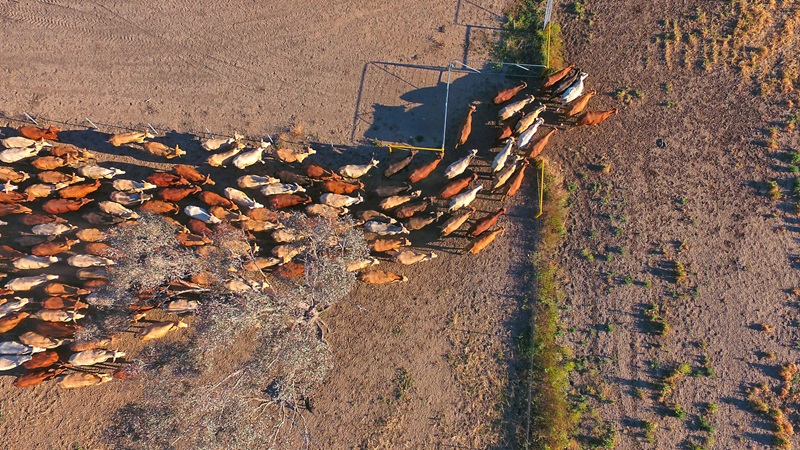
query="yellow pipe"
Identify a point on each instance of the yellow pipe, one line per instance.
(541, 190)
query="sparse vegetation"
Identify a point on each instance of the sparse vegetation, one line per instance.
(277, 321)
(523, 39)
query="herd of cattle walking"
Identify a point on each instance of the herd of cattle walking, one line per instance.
(41, 312)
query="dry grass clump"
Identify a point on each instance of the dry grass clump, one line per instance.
(263, 345)
(773, 407)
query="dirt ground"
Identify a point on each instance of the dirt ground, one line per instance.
(638, 209)
(196, 67)
(702, 201)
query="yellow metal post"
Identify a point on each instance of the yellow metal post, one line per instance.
(540, 176)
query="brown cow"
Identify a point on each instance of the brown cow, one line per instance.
(485, 223)
(409, 209)
(191, 174)
(225, 215)
(457, 185)
(507, 130)
(556, 77)
(36, 133)
(54, 177)
(7, 209)
(79, 190)
(320, 173)
(538, 145)
(516, 179)
(48, 162)
(71, 153)
(595, 117)
(420, 222)
(176, 194)
(61, 289)
(159, 207)
(466, 128)
(290, 269)
(94, 284)
(165, 151)
(164, 179)
(41, 360)
(33, 378)
(385, 244)
(422, 172)
(53, 248)
(64, 205)
(376, 276)
(579, 104)
(280, 201)
(9, 322)
(199, 227)
(192, 240)
(100, 249)
(481, 242)
(507, 94)
(340, 187)
(14, 197)
(214, 199)
(9, 174)
(264, 214)
(58, 302)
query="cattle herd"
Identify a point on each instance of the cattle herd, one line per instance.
(46, 182)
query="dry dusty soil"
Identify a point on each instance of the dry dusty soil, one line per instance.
(205, 66)
(356, 71)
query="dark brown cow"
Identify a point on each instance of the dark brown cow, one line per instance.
(176, 194)
(457, 185)
(409, 209)
(485, 223)
(159, 207)
(287, 176)
(55, 330)
(64, 205)
(191, 174)
(214, 199)
(38, 219)
(538, 145)
(7, 209)
(422, 172)
(507, 130)
(340, 187)
(36, 133)
(595, 117)
(7, 252)
(164, 179)
(507, 94)
(280, 201)
(399, 165)
(79, 190)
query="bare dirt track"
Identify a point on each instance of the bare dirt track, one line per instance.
(232, 67)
